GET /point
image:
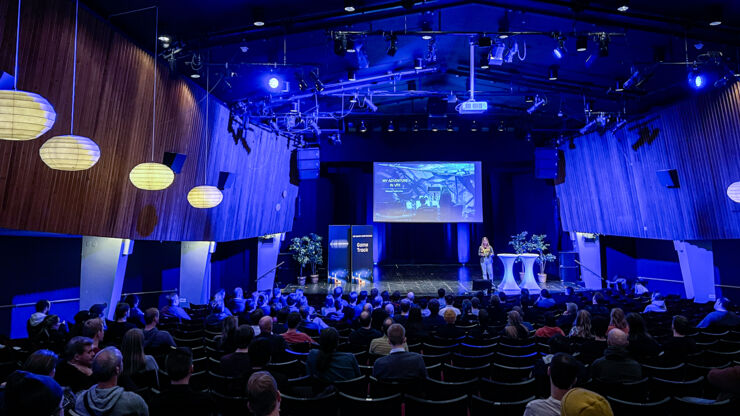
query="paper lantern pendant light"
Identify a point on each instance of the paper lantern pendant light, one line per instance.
(151, 176)
(70, 153)
(205, 196)
(733, 191)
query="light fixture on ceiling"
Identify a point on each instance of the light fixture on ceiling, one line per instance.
(390, 129)
(559, 50)
(418, 63)
(152, 176)
(553, 73)
(619, 86)
(351, 75)
(392, 45)
(529, 99)
(23, 115)
(351, 45)
(416, 126)
(484, 61)
(70, 152)
(316, 81)
(450, 126)
(504, 26)
(368, 102)
(426, 26)
(501, 126)
(623, 5)
(474, 126)
(350, 5)
(581, 43)
(354, 98)
(715, 15)
(603, 45)
(538, 102)
(363, 127)
(258, 17)
(340, 45)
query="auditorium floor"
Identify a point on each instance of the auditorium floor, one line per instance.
(422, 279)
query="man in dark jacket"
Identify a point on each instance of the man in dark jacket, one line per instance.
(277, 343)
(180, 398)
(616, 366)
(365, 334)
(678, 347)
(399, 364)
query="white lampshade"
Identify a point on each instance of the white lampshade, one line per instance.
(151, 176)
(733, 191)
(24, 115)
(70, 153)
(205, 196)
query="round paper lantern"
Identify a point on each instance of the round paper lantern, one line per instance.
(70, 153)
(24, 115)
(733, 191)
(151, 176)
(205, 196)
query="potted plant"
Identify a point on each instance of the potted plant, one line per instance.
(520, 245)
(315, 256)
(300, 247)
(538, 245)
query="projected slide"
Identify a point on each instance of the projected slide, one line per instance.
(427, 192)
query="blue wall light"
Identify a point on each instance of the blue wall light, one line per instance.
(273, 83)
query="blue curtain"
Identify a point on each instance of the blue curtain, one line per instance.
(463, 243)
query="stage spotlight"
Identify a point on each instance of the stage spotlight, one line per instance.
(603, 45)
(496, 55)
(351, 45)
(258, 17)
(416, 126)
(350, 5)
(560, 113)
(354, 98)
(623, 5)
(715, 15)
(501, 127)
(195, 74)
(484, 42)
(697, 80)
(529, 99)
(273, 83)
(390, 128)
(538, 102)
(619, 87)
(363, 127)
(559, 50)
(557, 53)
(450, 127)
(392, 45)
(418, 63)
(553, 73)
(302, 84)
(426, 26)
(503, 26)
(164, 38)
(317, 82)
(582, 43)
(369, 103)
(484, 61)
(351, 75)
(473, 126)
(340, 45)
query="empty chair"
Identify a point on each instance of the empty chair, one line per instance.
(415, 347)
(717, 408)
(366, 370)
(304, 386)
(693, 370)
(371, 358)
(676, 372)
(516, 349)
(198, 381)
(385, 388)
(228, 386)
(361, 356)
(293, 355)
(431, 359)
(421, 407)
(362, 406)
(483, 407)
(230, 405)
(516, 360)
(624, 407)
(436, 340)
(499, 391)
(432, 349)
(188, 342)
(477, 350)
(661, 389)
(291, 369)
(468, 361)
(356, 387)
(482, 341)
(633, 391)
(435, 371)
(444, 390)
(301, 406)
(457, 374)
(299, 347)
(509, 374)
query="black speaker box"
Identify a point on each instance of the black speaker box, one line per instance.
(482, 284)
(225, 180)
(308, 163)
(174, 161)
(668, 178)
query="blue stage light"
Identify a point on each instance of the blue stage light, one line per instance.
(273, 83)
(557, 53)
(697, 80)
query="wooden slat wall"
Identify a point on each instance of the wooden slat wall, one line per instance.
(612, 188)
(114, 108)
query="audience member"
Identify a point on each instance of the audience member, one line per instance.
(94, 330)
(496, 311)
(135, 315)
(237, 363)
(97, 310)
(260, 357)
(238, 304)
(44, 363)
(116, 329)
(582, 402)
(33, 324)
(582, 327)
(515, 329)
(727, 381)
(657, 304)
(52, 334)
(449, 305)
(618, 321)
(594, 348)
(381, 346)
(521, 313)
(449, 330)
(441, 298)
(482, 330)
(227, 339)
(597, 306)
(173, 309)
(154, 339)
(414, 326)
(568, 318)
(292, 336)
(720, 317)
(475, 303)
(678, 347)
(424, 305)
(179, 398)
(399, 364)
(550, 329)
(641, 345)
(263, 397)
(365, 334)
(616, 366)
(563, 372)
(329, 365)
(434, 320)
(277, 343)
(545, 301)
(135, 362)
(218, 314)
(106, 397)
(76, 370)
(403, 316)
(31, 394)
(467, 317)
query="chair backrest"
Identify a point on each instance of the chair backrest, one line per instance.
(482, 407)
(301, 406)
(230, 405)
(661, 388)
(511, 349)
(362, 406)
(290, 369)
(462, 360)
(356, 387)
(633, 391)
(433, 349)
(692, 407)
(416, 406)
(516, 360)
(458, 374)
(431, 359)
(676, 372)
(509, 374)
(499, 391)
(443, 390)
(624, 407)
(228, 386)
(384, 388)
(473, 349)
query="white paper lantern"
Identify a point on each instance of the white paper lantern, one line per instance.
(24, 115)
(70, 153)
(733, 191)
(205, 196)
(151, 176)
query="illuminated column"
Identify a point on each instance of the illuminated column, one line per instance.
(268, 248)
(589, 253)
(697, 267)
(102, 271)
(195, 271)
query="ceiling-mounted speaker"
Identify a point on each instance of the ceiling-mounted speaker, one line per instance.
(225, 180)
(174, 161)
(668, 178)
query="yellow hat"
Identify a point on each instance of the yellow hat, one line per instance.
(582, 402)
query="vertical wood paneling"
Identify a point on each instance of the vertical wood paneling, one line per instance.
(114, 102)
(612, 188)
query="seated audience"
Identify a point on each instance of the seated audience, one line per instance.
(218, 314)
(135, 315)
(641, 345)
(32, 395)
(582, 328)
(403, 316)
(496, 311)
(227, 340)
(434, 319)
(263, 397)
(260, 357)
(424, 305)
(657, 304)
(449, 301)
(238, 304)
(33, 324)
(328, 306)
(720, 317)
(44, 363)
(563, 373)
(515, 329)
(441, 298)
(399, 364)
(52, 334)
(568, 318)
(329, 365)
(116, 329)
(179, 398)
(381, 346)
(475, 303)
(582, 402)
(449, 330)
(277, 343)
(414, 326)
(365, 334)
(75, 370)
(94, 330)
(597, 306)
(482, 330)
(106, 397)
(727, 381)
(292, 336)
(678, 347)
(173, 309)
(521, 313)
(594, 348)
(616, 366)
(154, 339)
(550, 329)
(467, 317)
(135, 362)
(545, 301)
(237, 363)
(618, 321)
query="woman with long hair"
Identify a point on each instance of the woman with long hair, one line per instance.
(135, 362)
(485, 252)
(515, 326)
(415, 331)
(618, 321)
(642, 346)
(329, 365)
(466, 316)
(582, 327)
(227, 340)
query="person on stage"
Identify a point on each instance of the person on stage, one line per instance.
(485, 252)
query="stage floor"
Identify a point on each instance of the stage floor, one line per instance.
(422, 279)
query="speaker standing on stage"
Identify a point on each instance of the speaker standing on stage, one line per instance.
(485, 252)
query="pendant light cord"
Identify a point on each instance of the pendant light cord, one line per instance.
(17, 44)
(154, 96)
(74, 69)
(205, 160)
